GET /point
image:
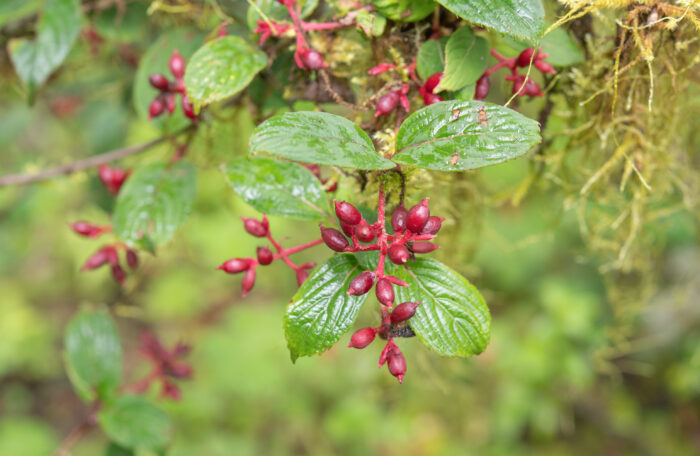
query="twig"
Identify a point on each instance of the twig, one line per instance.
(79, 431)
(22, 179)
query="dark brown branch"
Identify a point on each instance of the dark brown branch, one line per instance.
(22, 179)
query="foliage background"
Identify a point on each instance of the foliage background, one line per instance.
(566, 372)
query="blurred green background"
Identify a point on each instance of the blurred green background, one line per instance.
(569, 370)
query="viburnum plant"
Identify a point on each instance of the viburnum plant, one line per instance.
(358, 106)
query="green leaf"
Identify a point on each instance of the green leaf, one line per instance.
(275, 11)
(518, 18)
(134, 422)
(155, 60)
(58, 28)
(405, 10)
(93, 355)
(562, 49)
(458, 135)
(278, 187)
(465, 56)
(317, 137)
(370, 23)
(222, 68)
(431, 58)
(322, 311)
(155, 200)
(117, 450)
(452, 317)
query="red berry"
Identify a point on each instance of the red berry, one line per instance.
(177, 86)
(334, 239)
(234, 265)
(265, 256)
(362, 338)
(254, 227)
(398, 254)
(179, 370)
(398, 219)
(188, 108)
(385, 292)
(159, 82)
(387, 103)
(531, 89)
(248, 281)
(156, 108)
(169, 100)
(418, 216)
(347, 213)
(349, 230)
(544, 67)
(423, 247)
(432, 82)
(431, 98)
(403, 311)
(364, 232)
(118, 274)
(524, 58)
(362, 283)
(96, 260)
(397, 364)
(312, 59)
(132, 259)
(86, 229)
(483, 85)
(432, 226)
(177, 65)
(302, 275)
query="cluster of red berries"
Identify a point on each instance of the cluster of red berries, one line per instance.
(387, 103)
(521, 84)
(412, 231)
(265, 256)
(166, 99)
(426, 90)
(166, 367)
(107, 254)
(112, 177)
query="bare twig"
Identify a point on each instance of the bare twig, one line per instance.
(22, 179)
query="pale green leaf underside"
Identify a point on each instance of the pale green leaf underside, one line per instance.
(317, 137)
(518, 18)
(459, 135)
(134, 422)
(277, 187)
(321, 311)
(452, 318)
(153, 203)
(222, 68)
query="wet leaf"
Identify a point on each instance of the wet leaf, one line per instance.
(465, 57)
(431, 58)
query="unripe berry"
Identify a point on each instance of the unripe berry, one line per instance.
(364, 232)
(234, 265)
(362, 283)
(159, 82)
(431, 98)
(347, 213)
(132, 259)
(397, 364)
(387, 103)
(248, 282)
(398, 219)
(156, 108)
(524, 58)
(483, 85)
(418, 216)
(423, 247)
(254, 227)
(177, 64)
(385, 292)
(188, 108)
(334, 239)
(362, 338)
(403, 311)
(302, 275)
(432, 226)
(118, 274)
(313, 60)
(398, 254)
(265, 256)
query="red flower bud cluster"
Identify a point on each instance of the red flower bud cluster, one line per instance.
(265, 256)
(167, 365)
(169, 90)
(426, 90)
(521, 85)
(109, 254)
(112, 177)
(388, 103)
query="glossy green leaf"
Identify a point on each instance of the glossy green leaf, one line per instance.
(317, 137)
(431, 58)
(222, 68)
(465, 57)
(93, 355)
(114, 449)
(458, 135)
(134, 422)
(277, 187)
(452, 317)
(322, 311)
(405, 10)
(155, 60)
(155, 200)
(35, 60)
(518, 18)
(274, 10)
